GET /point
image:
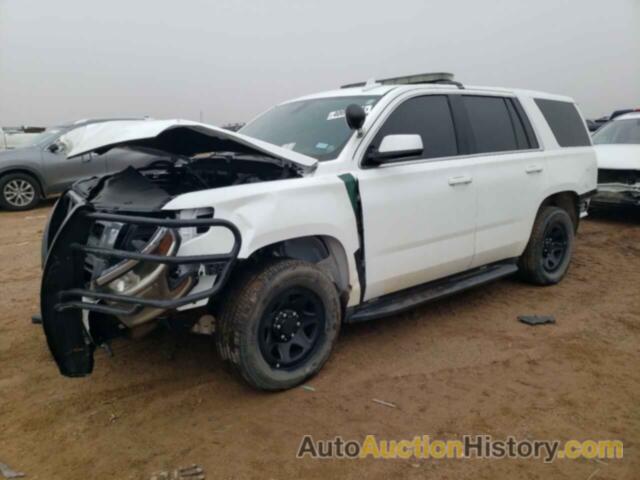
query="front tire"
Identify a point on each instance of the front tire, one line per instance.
(546, 259)
(278, 324)
(19, 191)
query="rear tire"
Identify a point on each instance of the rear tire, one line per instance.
(278, 324)
(19, 191)
(546, 259)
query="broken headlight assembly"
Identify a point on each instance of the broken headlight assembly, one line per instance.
(127, 274)
(125, 266)
(135, 277)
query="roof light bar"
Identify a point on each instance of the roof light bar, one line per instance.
(420, 78)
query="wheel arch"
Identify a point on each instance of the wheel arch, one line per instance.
(326, 251)
(569, 201)
(26, 171)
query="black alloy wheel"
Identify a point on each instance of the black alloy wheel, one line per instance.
(291, 327)
(554, 247)
(547, 256)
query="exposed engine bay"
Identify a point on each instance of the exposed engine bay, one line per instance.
(149, 188)
(123, 246)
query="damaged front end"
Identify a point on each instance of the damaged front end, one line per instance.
(618, 187)
(115, 260)
(104, 266)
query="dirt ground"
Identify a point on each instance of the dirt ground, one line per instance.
(464, 365)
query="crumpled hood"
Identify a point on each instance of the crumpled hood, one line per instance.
(177, 137)
(618, 157)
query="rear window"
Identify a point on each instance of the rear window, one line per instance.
(565, 122)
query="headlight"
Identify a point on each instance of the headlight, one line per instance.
(128, 273)
(125, 282)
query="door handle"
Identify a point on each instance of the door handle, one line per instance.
(533, 169)
(460, 180)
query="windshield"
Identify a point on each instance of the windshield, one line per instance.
(45, 137)
(316, 128)
(626, 131)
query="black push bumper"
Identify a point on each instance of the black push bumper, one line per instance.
(65, 294)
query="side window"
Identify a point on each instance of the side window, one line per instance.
(428, 116)
(565, 122)
(492, 125)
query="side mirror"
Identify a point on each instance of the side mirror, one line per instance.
(56, 147)
(355, 116)
(396, 146)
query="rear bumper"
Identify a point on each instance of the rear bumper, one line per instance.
(70, 304)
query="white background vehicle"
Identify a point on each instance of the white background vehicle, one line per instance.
(617, 146)
(16, 138)
(336, 207)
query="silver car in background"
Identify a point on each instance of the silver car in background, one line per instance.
(41, 168)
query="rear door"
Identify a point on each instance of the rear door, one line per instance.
(418, 213)
(510, 175)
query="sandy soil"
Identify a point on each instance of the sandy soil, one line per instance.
(459, 366)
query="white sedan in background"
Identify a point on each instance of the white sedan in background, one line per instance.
(618, 149)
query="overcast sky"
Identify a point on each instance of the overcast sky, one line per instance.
(69, 59)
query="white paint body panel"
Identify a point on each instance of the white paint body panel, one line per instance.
(618, 157)
(417, 227)
(270, 212)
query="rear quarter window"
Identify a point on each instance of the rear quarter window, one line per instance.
(565, 122)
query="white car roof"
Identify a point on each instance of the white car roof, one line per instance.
(379, 90)
(627, 116)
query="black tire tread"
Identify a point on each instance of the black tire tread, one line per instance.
(529, 262)
(239, 305)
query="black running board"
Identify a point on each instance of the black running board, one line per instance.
(399, 302)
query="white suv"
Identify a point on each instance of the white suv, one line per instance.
(333, 208)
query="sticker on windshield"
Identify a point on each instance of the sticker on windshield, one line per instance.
(336, 114)
(341, 113)
(322, 146)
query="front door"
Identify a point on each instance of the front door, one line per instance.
(419, 213)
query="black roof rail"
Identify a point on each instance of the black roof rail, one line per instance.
(443, 78)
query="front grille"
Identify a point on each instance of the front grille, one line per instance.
(628, 177)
